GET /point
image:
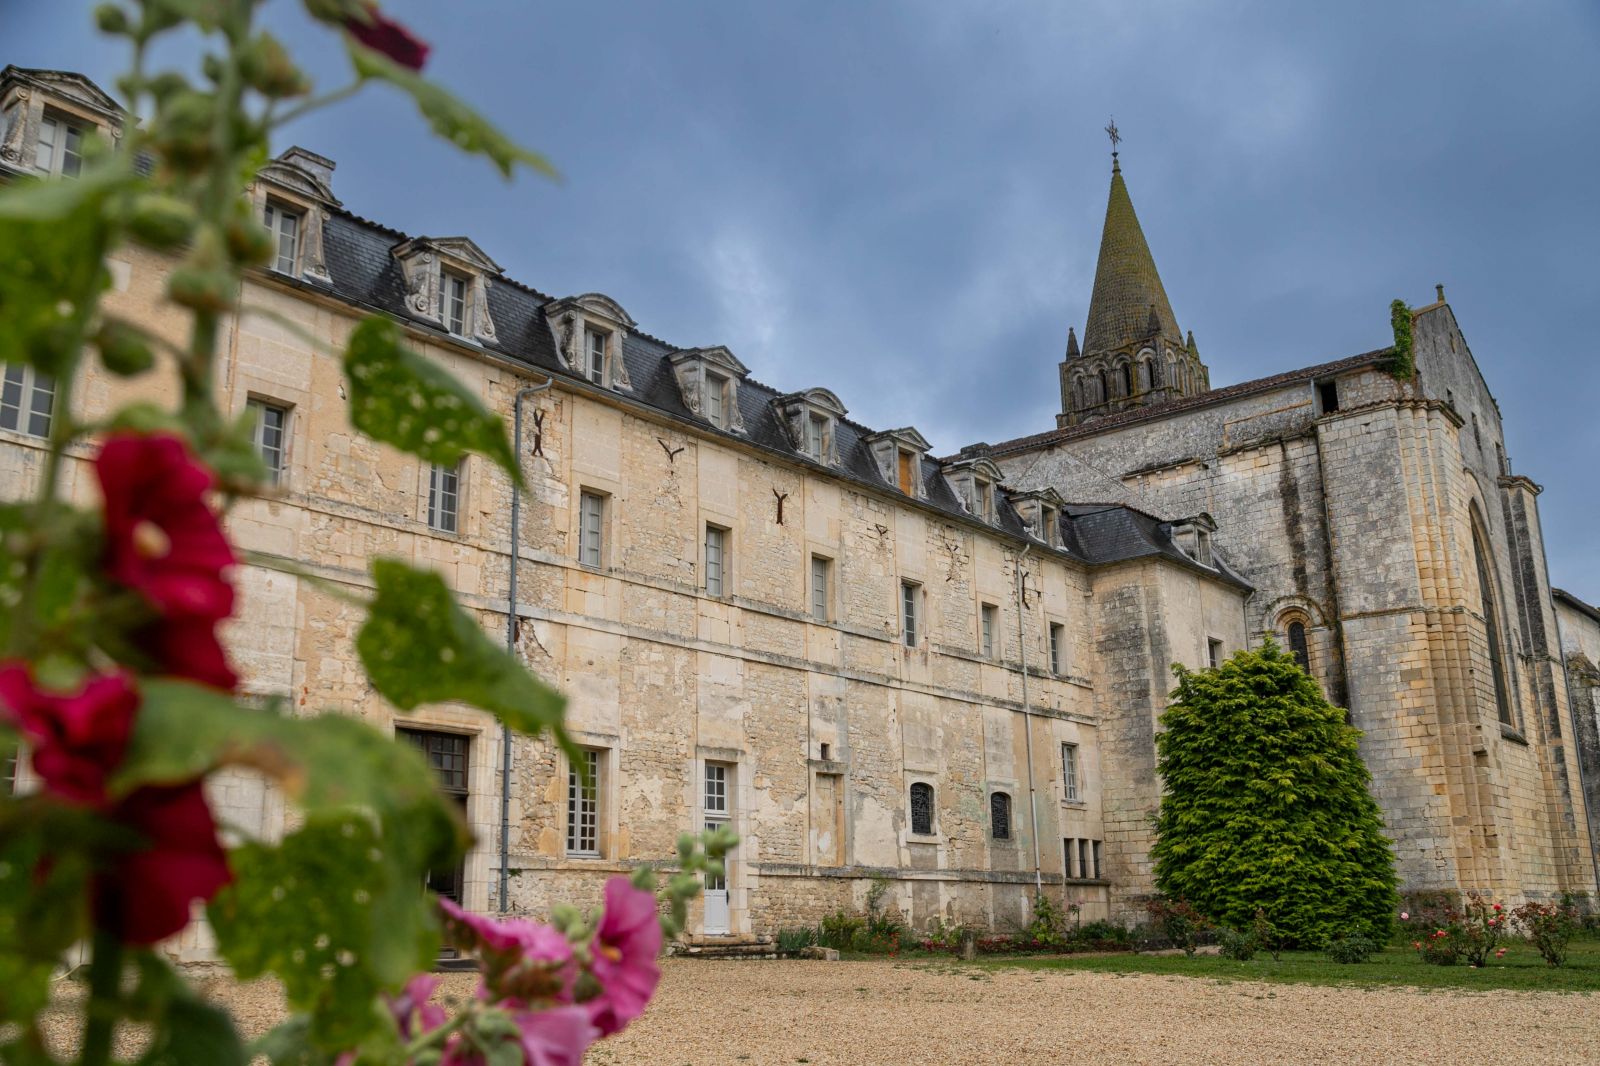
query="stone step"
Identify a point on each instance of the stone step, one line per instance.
(758, 948)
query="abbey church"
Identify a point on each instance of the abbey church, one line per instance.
(869, 660)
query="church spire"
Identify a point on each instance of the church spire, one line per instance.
(1128, 293)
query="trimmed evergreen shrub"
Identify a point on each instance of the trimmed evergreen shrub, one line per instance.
(1266, 805)
(1351, 949)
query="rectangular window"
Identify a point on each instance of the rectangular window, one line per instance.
(1202, 548)
(1051, 523)
(1213, 652)
(988, 616)
(583, 804)
(716, 560)
(284, 225)
(594, 367)
(905, 472)
(60, 150)
(446, 755)
(1058, 648)
(816, 430)
(1328, 396)
(271, 424)
(454, 299)
(1097, 874)
(1069, 770)
(820, 568)
(1069, 858)
(908, 612)
(444, 493)
(591, 527)
(717, 814)
(1083, 859)
(27, 400)
(986, 501)
(717, 401)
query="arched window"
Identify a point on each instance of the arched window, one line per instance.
(1297, 644)
(1125, 372)
(1105, 388)
(922, 808)
(1491, 623)
(1000, 815)
(1146, 375)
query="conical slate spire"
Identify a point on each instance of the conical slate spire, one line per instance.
(1072, 344)
(1127, 290)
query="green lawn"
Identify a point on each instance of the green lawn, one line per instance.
(1521, 968)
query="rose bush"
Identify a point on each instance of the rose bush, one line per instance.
(116, 681)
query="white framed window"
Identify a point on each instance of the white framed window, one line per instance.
(909, 615)
(591, 528)
(716, 560)
(27, 400)
(988, 621)
(453, 299)
(1213, 652)
(60, 148)
(983, 499)
(1069, 771)
(1058, 648)
(444, 497)
(583, 804)
(270, 435)
(821, 586)
(594, 356)
(284, 225)
(717, 400)
(816, 436)
(718, 813)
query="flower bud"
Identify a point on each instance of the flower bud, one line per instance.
(111, 19)
(124, 350)
(268, 69)
(162, 222)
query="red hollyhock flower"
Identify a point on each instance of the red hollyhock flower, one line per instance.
(146, 894)
(163, 539)
(78, 739)
(383, 34)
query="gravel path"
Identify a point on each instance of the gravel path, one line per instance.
(868, 1013)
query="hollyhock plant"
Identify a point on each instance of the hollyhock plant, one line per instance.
(522, 959)
(146, 894)
(383, 34)
(77, 739)
(164, 541)
(625, 947)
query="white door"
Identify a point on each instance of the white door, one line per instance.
(717, 816)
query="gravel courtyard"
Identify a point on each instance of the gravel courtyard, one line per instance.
(867, 1013)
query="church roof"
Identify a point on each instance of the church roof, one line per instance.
(1127, 289)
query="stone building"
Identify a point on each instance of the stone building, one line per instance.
(870, 661)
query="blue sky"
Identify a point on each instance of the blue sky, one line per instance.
(902, 201)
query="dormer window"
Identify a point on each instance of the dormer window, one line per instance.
(816, 435)
(453, 298)
(1050, 520)
(60, 147)
(983, 499)
(594, 358)
(1040, 511)
(708, 379)
(974, 478)
(899, 453)
(284, 225)
(1202, 546)
(1192, 536)
(812, 421)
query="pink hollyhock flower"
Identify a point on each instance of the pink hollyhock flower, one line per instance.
(625, 948)
(522, 960)
(383, 34)
(78, 739)
(1417, 944)
(412, 1011)
(163, 540)
(556, 1037)
(1405, 917)
(146, 894)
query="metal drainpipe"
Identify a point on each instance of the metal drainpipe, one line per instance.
(511, 637)
(1027, 727)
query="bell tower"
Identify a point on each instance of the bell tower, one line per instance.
(1133, 354)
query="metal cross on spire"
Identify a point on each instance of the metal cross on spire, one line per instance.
(1116, 138)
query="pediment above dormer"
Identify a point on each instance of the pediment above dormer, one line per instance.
(463, 252)
(597, 307)
(428, 262)
(708, 379)
(66, 87)
(898, 454)
(302, 173)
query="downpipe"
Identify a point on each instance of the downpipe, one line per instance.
(1027, 727)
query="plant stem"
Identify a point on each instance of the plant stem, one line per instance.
(105, 988)
(314, 103)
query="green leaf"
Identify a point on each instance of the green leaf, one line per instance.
(400, 398)
(44, 879)
(420, 647)
(450, 118)
(337, 911)
(53, 238)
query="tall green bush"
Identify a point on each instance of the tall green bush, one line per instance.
(1266, 805)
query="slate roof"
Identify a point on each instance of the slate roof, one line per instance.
(358, 255)
(1158, 411)
(1127, 288)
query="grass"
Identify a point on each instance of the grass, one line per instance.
(1521, 968)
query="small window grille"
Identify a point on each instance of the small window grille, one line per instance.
(922, 808)
(583, 804)
(1000, 815)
